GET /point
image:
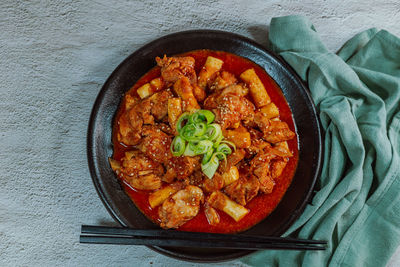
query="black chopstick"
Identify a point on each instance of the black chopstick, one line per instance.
(128, 236)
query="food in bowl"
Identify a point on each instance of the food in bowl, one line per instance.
(205, 141)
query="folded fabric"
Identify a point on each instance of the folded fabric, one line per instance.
(357, 204)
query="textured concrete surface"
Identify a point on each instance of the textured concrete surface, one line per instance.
(54, 57)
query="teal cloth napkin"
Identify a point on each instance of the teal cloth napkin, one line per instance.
(356, 92)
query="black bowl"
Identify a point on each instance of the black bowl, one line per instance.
(99, 146)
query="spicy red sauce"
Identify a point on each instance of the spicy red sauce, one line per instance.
(263, 204)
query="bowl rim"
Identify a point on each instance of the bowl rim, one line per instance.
(90, 153)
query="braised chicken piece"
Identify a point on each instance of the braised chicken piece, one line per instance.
(126, 133)
(277, 167)
(232, 160)
(131, 122)
(181, 207)
(199, 93)
(243, 190)
(196, 178)
(144, 182)
(211, 214)
(257, 145)
(165, 128)
(266, 184)
(140, 171)
(181, 167)
(185, 90)
(267, 165)
(274, 131)
(156, 144)
(136, 163)
(174, 68)
(235, 89)
(159, 103)
(229, 109)
(222, 80)
(214, 184)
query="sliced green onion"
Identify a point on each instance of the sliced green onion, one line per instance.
(213, 132)
(183, 117)
(199, 136)
(224, 148)
(218, 140)
(229, 143)
(201, 129)
(198, 148)
(191, 132)
(190, 150)
(207, 156)
(178, 146)
(210, 167)
(220, 156)
(208, 115)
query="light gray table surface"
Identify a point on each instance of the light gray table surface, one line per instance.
(54, 58)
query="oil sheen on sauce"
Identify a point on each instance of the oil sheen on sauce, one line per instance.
(262, 205)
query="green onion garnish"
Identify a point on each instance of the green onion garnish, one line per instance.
(199, 136)
(177, 146)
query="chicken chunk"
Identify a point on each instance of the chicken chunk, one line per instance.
(144, 182)
(156, 144)
(277, 167)
(182, 167)
(159, 104)
(127, 134)
(222, 80)
(274, 131)
(229, 109)
(235, 89)
(196, 178)
(185, 90)
(266, 184)
(214, 184)
(211, 214)
(243, 190)
(136, 163)
(174, 68)
(181, 207)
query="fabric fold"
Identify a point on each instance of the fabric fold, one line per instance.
(356, 91)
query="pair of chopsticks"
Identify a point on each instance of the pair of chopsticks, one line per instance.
(170, 238)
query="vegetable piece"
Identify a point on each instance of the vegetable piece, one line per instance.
(182, 118)
(270, 111)
(199, 136)
(145, 90)
(157, 84)
(231, 175)
(224, 148)
(211, 166)
(240, 137)
(211, 66)
(158, 197)
(194, 149)
(193, 132)
(213, 132)
(178, 146)
(202, 115)
(220, 201)
(174, 111)
(257, 89)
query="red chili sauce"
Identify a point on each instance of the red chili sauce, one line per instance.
(263, 204)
